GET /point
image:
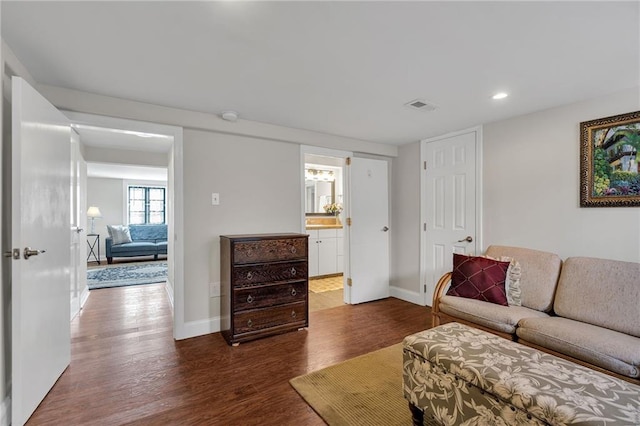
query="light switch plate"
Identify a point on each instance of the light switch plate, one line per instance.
(215, 199)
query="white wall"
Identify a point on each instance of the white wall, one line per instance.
(405, 225)
(107, 195)
(259, 186)
(531, 185)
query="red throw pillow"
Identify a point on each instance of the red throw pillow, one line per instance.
(479, 278)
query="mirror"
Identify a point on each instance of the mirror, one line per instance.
(318, 194)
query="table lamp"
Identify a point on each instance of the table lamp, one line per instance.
(93, 213)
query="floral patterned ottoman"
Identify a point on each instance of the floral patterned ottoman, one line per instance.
(457, 375)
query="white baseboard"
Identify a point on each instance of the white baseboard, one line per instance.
(84, 296)
(406, 295)
(199, 328)
(5, 412)
(169, 289)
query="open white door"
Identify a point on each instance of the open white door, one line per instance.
(78, 278)
(450, 203)
(40, 223)
(368, 233)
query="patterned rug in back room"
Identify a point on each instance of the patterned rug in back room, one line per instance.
(124, 275)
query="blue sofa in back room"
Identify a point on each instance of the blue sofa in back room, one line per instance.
(145, 240)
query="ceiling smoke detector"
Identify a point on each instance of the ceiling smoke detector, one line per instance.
(421, 105)
(230, 115)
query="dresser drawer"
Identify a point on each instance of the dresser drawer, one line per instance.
(269, 250)
(255, 274)
(261, 297)
(260, 319)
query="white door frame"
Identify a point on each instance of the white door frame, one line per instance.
(327, 152)
(175, 166)
(423, 201)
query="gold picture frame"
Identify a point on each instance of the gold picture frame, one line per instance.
(609, 170)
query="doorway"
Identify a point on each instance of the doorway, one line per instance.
(156, 146)
(324, 218)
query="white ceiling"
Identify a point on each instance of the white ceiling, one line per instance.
(126, 171)
(343, 68)
(127, 140)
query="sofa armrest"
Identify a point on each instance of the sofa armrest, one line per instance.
(108, 242)
(437, 294)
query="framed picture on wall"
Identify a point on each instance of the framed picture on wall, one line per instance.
(609, 171)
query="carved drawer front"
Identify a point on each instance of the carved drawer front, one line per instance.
(251, 275)
(259, 319)
(260, 297)
(269, 250)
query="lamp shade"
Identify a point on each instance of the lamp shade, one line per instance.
(94, 212)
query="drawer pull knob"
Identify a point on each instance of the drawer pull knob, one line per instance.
(249, 275)
(250, 299)
(293, 271)
(293, 314)
(292, 249)
(249, 323)
(293, 292)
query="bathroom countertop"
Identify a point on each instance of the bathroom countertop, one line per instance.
(311, 227)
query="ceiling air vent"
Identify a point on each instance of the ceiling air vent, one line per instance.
(422, 105)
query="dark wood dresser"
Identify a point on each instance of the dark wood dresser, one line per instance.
(264, 285)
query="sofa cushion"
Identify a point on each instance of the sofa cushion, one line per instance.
(617, 352)
(600, 292)
(480, 278)
(162, 247)
(119, 234)
(141, 247)
(539, 274)
(148, 232)
(490, 315)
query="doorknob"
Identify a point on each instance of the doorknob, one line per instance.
(469, 239)
(79, 230)
(385, 229)
(28, 252)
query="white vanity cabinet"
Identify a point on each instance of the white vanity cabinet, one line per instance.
(325, 251)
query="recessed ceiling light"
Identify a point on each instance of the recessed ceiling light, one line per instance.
(500, 95)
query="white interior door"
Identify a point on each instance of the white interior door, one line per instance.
(368, 233)
(78, 278)
(450, 203)
(82, 235)
(41, 186)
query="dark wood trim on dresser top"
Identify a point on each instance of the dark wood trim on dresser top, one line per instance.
(264, 285)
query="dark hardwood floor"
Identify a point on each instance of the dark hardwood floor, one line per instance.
(127, 369)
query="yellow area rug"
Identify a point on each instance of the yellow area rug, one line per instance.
(320, 285)
(366, 390)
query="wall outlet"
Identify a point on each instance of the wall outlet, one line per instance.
(214, 289)
(215, 199)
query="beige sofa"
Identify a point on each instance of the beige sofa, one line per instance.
(583, 309)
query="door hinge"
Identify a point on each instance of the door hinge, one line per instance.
(348, 221)
(14, 254)
(424, 226)
(425, 288)
(348, 161)
(349, 282)
(425, 165)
